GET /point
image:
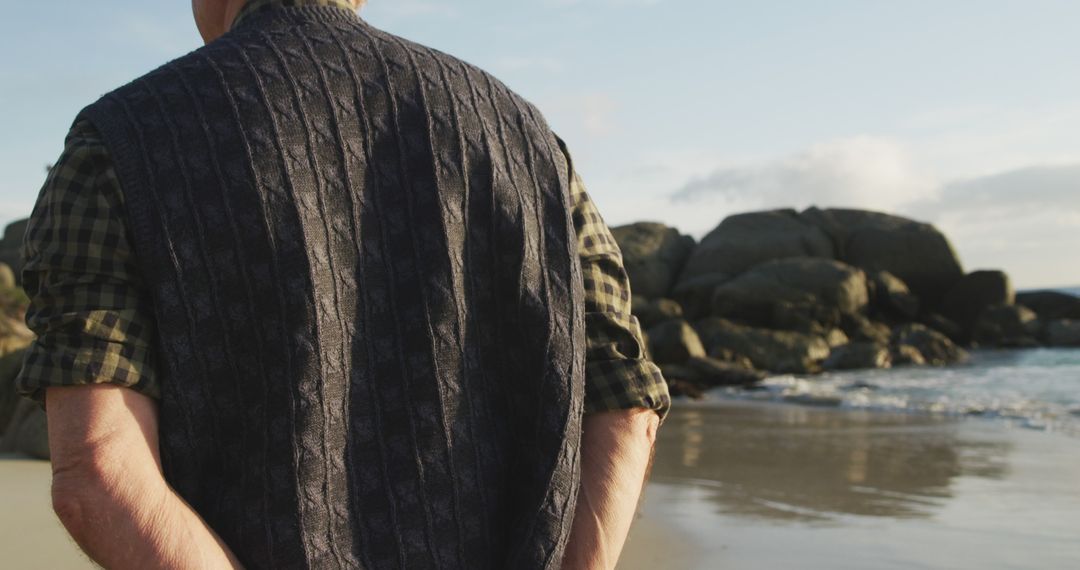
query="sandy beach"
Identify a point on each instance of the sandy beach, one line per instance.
(748, 486)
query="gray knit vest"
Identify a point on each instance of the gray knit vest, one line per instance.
(369, 307)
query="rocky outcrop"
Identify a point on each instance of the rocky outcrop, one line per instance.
(705, 372)
(1063, 332)
(771, 350)
(674, 342)
(653, 254)
(784, 285)
(1008, 326)
(11, 246)
(1051, 304)
(891, 298)
(915, 252)
(744, 241)
(935, 348)
(859, 355)
(651, 312)
(974, 293)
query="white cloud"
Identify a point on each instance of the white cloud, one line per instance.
(864, 172)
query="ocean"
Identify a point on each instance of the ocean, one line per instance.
(1030, 388)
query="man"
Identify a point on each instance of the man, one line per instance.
(314, 296)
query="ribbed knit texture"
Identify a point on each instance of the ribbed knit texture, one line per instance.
(369, 304)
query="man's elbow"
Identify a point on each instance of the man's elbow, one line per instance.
(79, 494)
(637, 425)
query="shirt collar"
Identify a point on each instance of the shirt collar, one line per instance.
(253, 6)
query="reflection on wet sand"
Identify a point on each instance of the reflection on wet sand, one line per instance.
(811, 464)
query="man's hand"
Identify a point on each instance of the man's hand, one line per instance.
(616, 450)
(108, 489)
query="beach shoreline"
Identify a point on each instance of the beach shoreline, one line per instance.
(766, 485)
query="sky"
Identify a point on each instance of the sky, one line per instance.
(961, 113)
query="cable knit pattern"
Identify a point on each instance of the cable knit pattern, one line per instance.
(369, 306)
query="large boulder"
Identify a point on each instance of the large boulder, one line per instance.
(7, 276)
(653, 255)
(915, 252)
(974, 293)
(772, 350)
(11, 246)
(673, 342)
(935, 347)
(891, 297)
(743, 241)
(1051, 304)
(1063, 332)
(861, 329)
(859, 355)
(651, 312)
(754, 296)
(1007, 325)
(705, 372)
(695, 295)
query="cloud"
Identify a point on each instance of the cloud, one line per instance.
(1023, 220)
(591, 113)
(866, 172)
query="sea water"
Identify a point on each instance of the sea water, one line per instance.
(1033, 388)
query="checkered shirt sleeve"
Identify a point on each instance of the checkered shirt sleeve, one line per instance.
(87, 308)
(618, 373)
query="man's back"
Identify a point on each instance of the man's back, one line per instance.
(363, 269)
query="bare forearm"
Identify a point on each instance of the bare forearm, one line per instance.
(108, 489)
(138, 524)
(615, 454)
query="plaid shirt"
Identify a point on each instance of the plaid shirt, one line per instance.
(95, 324)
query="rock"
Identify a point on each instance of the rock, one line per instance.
(677, 387)
(1013, 326)
(973, 294)
(651, 312)
(944, 326)
(917, 253)
(934, 347)
(806, 282)
(805, 317)
(653, 254)
(673, 342)
(861, 329)
(26, 432)
(704, 372)
(744, 241)
(11, 247)
(859, 355)
(1051, 304)
(771, 350)
(836, 337)
(906, 355)
(695, 295)
(1063, 332)
(14, 335)
(7, 276)
(10, 364)
(891, 296)
(713, 372)
(727, 355)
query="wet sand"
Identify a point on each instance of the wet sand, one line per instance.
(747, 486)
(750, 486)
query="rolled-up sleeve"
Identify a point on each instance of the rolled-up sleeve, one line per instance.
(87, 306)
(618, 374)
